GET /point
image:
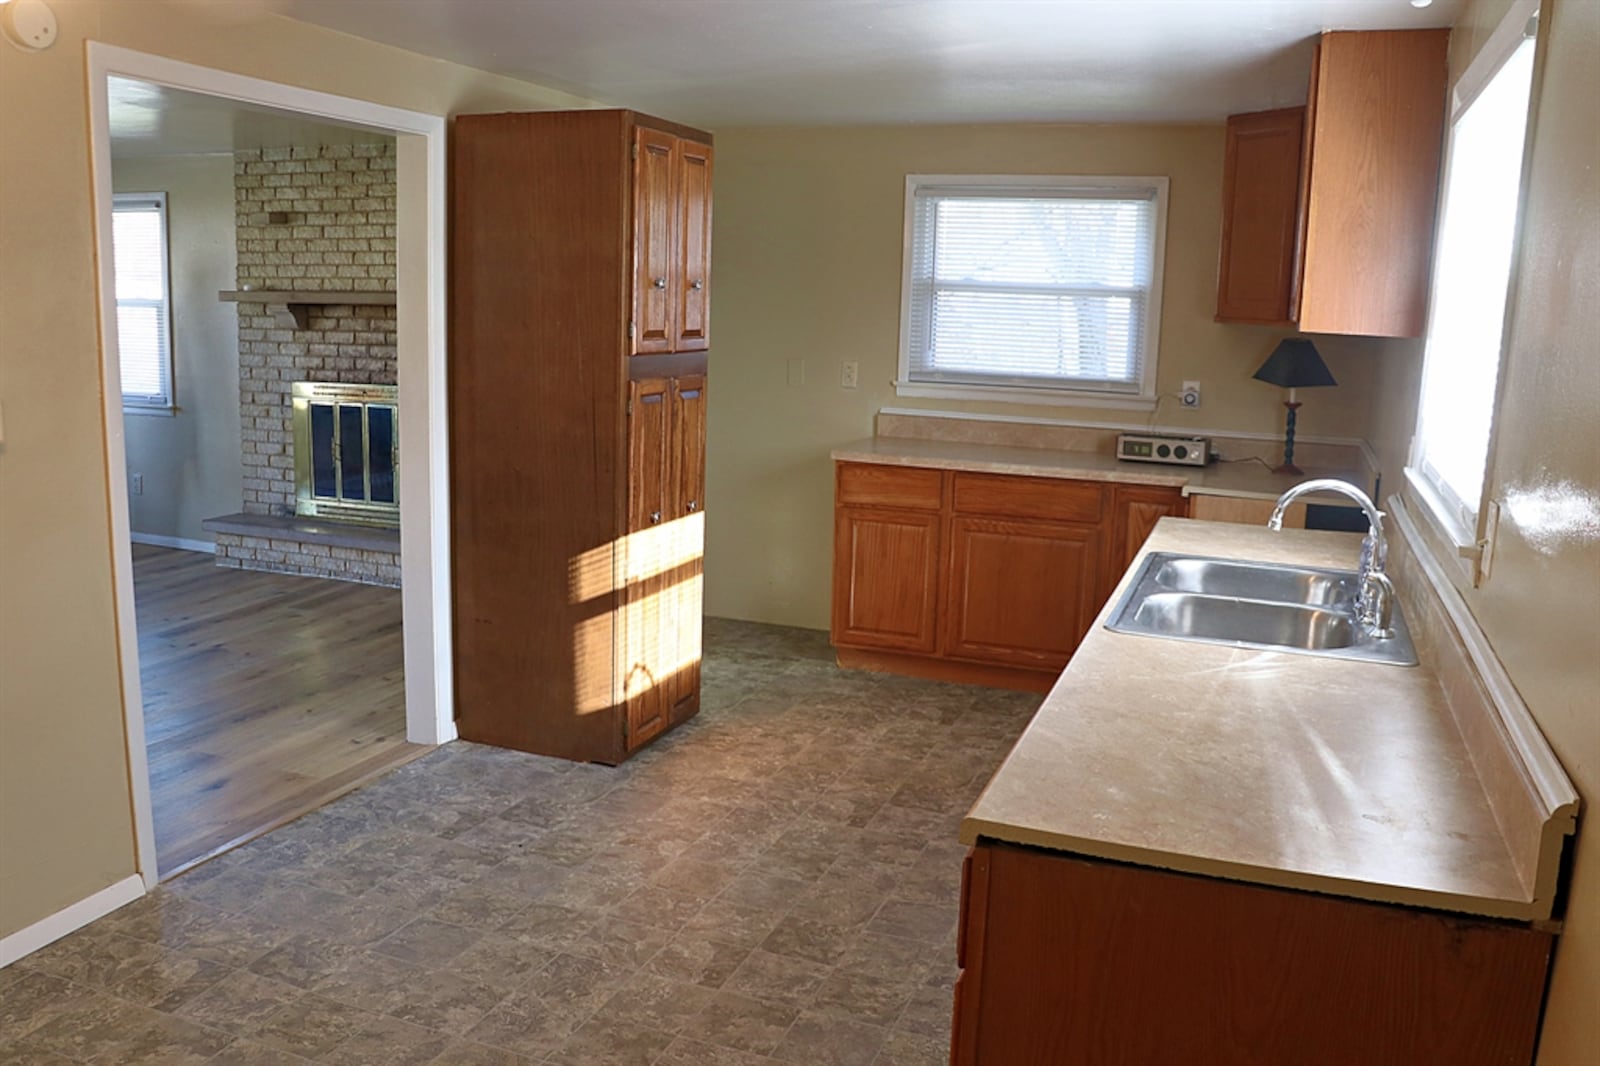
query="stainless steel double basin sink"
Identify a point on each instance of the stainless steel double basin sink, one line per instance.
(1255, 605)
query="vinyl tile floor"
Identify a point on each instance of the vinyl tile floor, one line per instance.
(776, 881)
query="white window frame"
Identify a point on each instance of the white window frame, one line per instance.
(1466, 525)
(163, 403)
(1063, 395)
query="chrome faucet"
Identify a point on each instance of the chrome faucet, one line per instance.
(1374, 592)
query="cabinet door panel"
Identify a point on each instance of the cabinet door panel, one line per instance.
(687, 535)
(1138, 511)
(649, 452)
(649, 680)
(1373, 181)
(655, 176)
(886, 566)
(649, 624)
(694, 229)
(1260, 194)
(1020, 593)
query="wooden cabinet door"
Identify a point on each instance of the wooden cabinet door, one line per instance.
(649, 642)
(655, 240)
(885, 578)
(1020, 593)
(1260, 198)
(1137, 512)
(694, 243)
(689, 444)
(688, 535)
(1372, 181)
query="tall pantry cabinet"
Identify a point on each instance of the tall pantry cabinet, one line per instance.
(580, 328)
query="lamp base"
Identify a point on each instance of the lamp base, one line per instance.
(1287, 466)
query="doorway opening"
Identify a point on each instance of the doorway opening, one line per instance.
(275, 654)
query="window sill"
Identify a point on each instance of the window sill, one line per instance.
(1036, 397)
(1447, 537)
(141, 409)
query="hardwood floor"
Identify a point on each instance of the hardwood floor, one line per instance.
(265, 696)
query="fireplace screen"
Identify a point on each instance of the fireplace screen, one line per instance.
(347, 452)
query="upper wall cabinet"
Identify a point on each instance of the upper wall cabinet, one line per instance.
(1353, 255)
(672, 243)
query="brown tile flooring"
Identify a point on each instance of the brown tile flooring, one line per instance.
(775, 882)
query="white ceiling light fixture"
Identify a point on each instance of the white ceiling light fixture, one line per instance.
(28, 24)
(1421, 3)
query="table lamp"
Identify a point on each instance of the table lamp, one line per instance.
(1293, 364)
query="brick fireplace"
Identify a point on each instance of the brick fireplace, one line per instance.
(310, 219)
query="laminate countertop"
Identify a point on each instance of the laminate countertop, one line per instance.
(1342, 777)
(1245, 479)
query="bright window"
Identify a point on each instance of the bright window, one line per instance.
(144, 312)
(1472, 273)
(1032, 288)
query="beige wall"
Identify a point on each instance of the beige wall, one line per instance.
(65, 823)
(1540, 606)
(809, 229)
(190, 460)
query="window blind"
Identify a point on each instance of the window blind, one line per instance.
(1032, 286)
(139, 253)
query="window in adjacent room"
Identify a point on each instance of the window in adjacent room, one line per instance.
(1472, 276)
(144, 310)
(1034, 289)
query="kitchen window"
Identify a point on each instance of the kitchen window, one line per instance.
(144, 309)
(1032, 289)
(1473, 265)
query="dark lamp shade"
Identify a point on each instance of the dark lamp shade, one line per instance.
(1295, 364)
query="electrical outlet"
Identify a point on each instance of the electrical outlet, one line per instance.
(136, 484)
(848, 375)
(1190, 395)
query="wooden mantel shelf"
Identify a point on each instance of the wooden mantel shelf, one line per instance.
(290, 308)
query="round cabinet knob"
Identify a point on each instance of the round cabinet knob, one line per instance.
(697, 285)
(694, 505)
(660, 283)
(655, 516)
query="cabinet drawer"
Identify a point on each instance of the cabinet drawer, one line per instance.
(1029, 497)
(890, 486)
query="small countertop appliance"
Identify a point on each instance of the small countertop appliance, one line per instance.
(1151, 448)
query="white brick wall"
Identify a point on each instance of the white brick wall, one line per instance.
(340, 236)
(312, 560)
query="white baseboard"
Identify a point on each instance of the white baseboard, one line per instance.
(69, 919)
(159, 541)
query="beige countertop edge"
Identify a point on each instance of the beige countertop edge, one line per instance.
(973, 830)
(1250, 482)
(1513, 899)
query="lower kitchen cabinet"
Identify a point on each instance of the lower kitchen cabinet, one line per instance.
(886, 578)
(982, 578)
(1069, 961)
(1139, 508)
(1020, 593)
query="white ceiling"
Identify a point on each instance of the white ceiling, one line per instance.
(781, 62)
(153, 120)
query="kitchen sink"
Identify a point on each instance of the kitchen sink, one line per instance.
(1279, 584)
(1255, 605)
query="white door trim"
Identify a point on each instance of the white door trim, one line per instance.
(424, 485)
